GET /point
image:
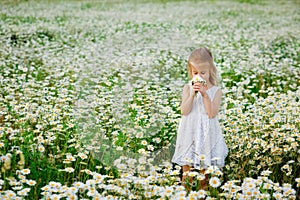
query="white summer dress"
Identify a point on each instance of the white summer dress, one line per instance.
(200, 137)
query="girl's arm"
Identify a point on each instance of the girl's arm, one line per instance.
(187, 100)
(212, 107)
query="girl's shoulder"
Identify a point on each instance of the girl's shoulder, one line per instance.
(187, 88)
(218, 88)
(187, 85)
(214, 90)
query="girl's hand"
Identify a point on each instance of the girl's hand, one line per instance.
(203, 91)
(196, 87)
(200, 87)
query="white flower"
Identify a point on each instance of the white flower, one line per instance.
(266, 173)
(73, 190)
(192, 174)
(78, 185)
(157, 140)
(41, 148)
(141, 151)
(210, 170)
(214, 182)
(10, 194)
(70, 158)
(198, 79)
(121, 166)
(31, 182)
(139, 135)
(55, 197)
(144, 142)
(200, 177)
(25, 171)
(82, 156)
(267, 186)
(69, 169)
(193, 195)
(1, 144)
(142, 160)
(201, 193)
(119, 148)
(277, 195)
(24, 192)
(150, 147)
(168, 191)
(45, 188)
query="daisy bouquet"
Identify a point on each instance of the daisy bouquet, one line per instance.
(198, 79)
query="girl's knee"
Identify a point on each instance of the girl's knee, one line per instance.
(186, 168)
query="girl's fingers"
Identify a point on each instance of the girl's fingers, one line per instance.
(198, 84)
(196, 87)
(202, 87)
(199, 87)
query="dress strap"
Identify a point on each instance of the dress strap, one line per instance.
(212, 91)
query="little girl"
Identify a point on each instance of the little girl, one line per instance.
(200, 142)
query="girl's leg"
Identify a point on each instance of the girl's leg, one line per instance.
(185, 178)
(203, 184)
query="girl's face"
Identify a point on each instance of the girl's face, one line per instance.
(203, 72)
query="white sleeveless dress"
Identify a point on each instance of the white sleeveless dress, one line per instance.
(200, 142)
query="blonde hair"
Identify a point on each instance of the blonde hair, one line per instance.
(202, 57)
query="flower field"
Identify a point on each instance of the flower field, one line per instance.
(90, 95)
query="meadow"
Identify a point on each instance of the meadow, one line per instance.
(90, 95)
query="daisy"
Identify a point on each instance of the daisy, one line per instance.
(193, 195)
(73, 190)
(82, 156)
(201, 193)
(46, 188)
(298, 182)
(10, 194)
(55, 197)
(25, 171)
(277, 195)
(24, 192)
(31, 182)
(41, 148)
(267, 186)
(214, 182)
(70, 158)
(69, 169)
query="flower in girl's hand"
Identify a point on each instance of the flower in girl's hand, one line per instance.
(198, 79)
